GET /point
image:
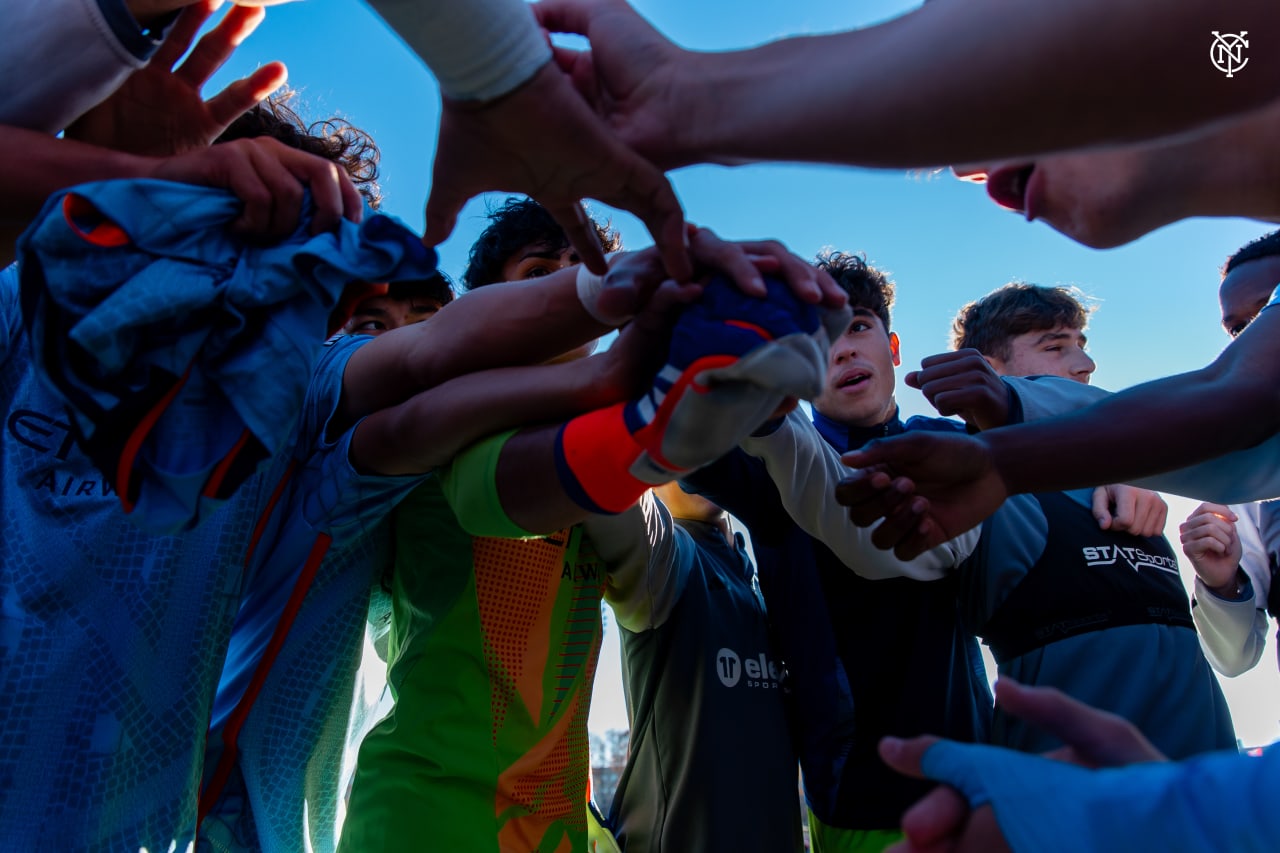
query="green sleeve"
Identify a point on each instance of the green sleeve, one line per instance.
(470, 486)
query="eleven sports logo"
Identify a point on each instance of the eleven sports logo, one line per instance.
(759, 671)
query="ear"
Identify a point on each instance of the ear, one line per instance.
(895, 347)
(997, 363)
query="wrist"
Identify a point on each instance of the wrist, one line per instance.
(1233, 589)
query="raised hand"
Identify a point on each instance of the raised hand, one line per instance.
(630, 76)
(963, 383)
(543, 140)
(159, 110)
(1211, 543)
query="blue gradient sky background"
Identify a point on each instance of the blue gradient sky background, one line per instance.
(943, 241)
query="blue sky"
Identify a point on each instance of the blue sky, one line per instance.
(943, 241)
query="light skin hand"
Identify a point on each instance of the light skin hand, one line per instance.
(1129, 509)
(1211, 543)
(159, 110)
(942, 820)
(269, 177)
(159, 113)
(544, 141)
(634, 276)
(962, 383)
(630, 68)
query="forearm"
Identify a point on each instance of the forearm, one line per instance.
(49, 164)
(429, 429)
(500, 325)
(1242, 184)
(478, 50)
(938, 85)
(1151, 429)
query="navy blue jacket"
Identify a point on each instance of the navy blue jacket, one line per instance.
(863, 659)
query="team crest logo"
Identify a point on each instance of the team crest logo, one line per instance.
(1227, 51)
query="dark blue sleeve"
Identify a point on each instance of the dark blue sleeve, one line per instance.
(132, 37)
(740, 484)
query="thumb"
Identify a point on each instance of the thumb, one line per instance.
(1102, 507)
(906, 756)
(443, 205)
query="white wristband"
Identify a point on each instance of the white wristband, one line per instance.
(589, 286)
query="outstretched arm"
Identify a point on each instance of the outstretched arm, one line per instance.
(931, 87)
(805, 470)
(1227, 408)
(525, 323)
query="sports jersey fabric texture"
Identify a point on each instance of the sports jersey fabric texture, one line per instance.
(864, 658)
(185, 357)
(493, 650)
(709, 741)
(113, 637)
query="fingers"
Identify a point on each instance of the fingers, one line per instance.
(218, 44)
(728, 258)
(907, 530)
(1100, 738)
(906, 756)
(444, 203)
(1223, 512)
(581, 235)
(244, 94)
(940, 815)
(648, 194)
(271, 195)
(269, 178)
(1102, 506)
(563, 16)
(805, 281)
(182, 33)
(1124, 512)
(1157, 515)
(870, 494)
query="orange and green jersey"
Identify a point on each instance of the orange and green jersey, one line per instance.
(493, 650)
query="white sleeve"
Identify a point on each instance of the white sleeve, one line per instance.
(646, 569)
(1049, 396)
(477, 49)
(58, 58)
(805, 470)
(1234, 633)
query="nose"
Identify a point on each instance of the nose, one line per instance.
(842, 350)
(1083, 366)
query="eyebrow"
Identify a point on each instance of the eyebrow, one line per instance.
(544, 254)
(1058, 336)
(369, 312)
(863, 312)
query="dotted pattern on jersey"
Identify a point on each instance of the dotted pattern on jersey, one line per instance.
(108, 639)
(517, 583)
(539, 605)
(292, 743)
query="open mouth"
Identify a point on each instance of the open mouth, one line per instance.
(1007, 186)
(854, 380)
